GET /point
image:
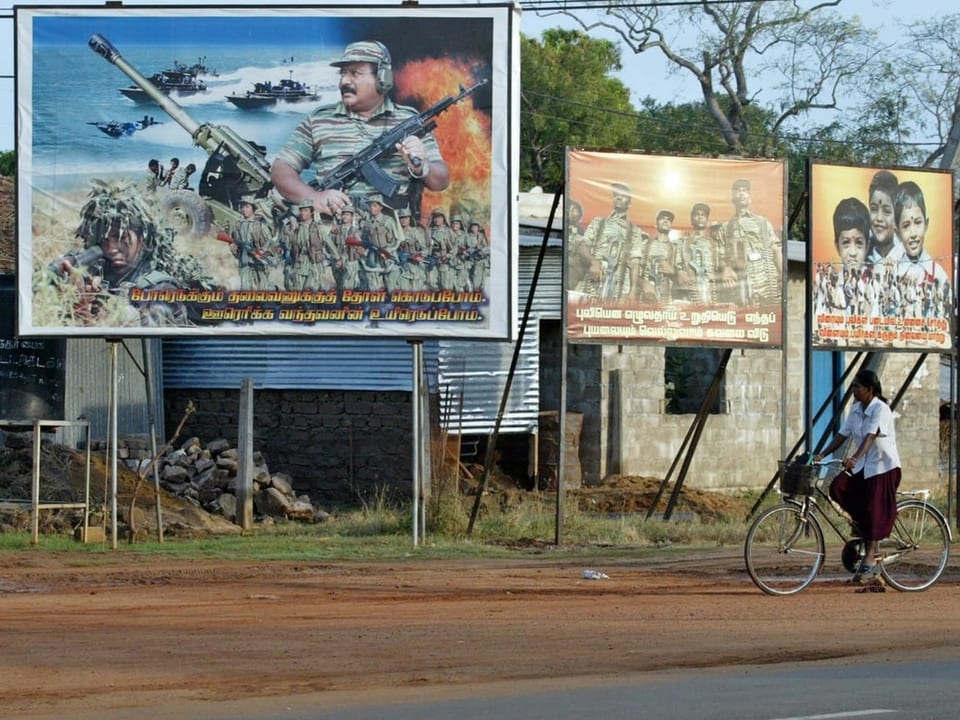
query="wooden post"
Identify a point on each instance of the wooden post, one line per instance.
(245, 456)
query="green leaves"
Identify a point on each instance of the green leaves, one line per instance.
(569, 98)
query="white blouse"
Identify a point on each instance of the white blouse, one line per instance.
(874, 419)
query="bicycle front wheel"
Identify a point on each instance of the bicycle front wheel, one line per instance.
(916, 553)
(784, 549)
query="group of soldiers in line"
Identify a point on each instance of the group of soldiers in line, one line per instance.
(361, 249)
(736, 262)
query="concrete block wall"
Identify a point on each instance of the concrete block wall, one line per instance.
(739, 449)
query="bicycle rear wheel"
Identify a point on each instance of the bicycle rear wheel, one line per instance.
(916, 553)
(784, 549)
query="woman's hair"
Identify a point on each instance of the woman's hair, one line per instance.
(869, 379)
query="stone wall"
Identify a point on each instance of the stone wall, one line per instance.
(339, 447)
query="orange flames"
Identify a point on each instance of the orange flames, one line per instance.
(463, 135)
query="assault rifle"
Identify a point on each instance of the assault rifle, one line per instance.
(364, 164)
(89, 259)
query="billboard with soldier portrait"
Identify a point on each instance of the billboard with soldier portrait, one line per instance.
(674, 250)
(267, 171)
(881, 259)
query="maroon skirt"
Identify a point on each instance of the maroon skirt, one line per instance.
(871, 502)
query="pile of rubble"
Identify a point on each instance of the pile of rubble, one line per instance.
(206, 475)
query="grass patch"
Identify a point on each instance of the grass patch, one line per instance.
(382, 531)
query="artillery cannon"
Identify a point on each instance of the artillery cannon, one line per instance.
(235, 167)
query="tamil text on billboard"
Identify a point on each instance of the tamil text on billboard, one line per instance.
(222, 171)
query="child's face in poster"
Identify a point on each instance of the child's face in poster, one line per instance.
(881, 216)
(852, 248)
(912, 230)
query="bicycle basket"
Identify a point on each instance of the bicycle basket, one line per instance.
(798, 478)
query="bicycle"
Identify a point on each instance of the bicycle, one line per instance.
(784, 547)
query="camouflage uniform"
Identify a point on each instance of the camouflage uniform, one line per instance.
(441, 275)
(412, 254)
(754, 243)
(753, 250)
(152, 178)
(180, 180)
(121, 210)
(461, 263)
(382, 240)
(305, 250)
(253, 245)
(607, 250)
(700, 252)
(611, 240)
(350, 248)
(478, 254)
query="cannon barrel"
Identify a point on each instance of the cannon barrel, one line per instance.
(102, 47)
(212, 138)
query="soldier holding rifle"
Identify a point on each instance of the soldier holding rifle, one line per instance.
(607, 247)
(334, 134)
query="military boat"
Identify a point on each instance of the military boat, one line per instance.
(180, 80)
(267, 94)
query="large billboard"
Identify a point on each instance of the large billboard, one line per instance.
(675, 250)
(267, 171)
(881, 259)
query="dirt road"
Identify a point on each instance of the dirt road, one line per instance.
(133, 632)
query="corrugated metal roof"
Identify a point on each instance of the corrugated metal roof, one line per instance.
(547, 298)
(288, 363)
(88, 385)
(472, 377)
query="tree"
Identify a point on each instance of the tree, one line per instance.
(567, 97)
(687, 128)
(8, 163)
(807, 58)
(926, 79)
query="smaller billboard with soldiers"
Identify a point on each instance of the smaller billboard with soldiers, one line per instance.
(674, 250)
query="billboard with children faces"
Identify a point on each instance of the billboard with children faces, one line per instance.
(677, 250)
(267, 171)
(881, 258)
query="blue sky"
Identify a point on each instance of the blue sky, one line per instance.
(644, 75)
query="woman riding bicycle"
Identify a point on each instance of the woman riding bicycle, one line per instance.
(867, 488)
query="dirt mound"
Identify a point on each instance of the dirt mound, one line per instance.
(617, 494)
(62, 480)
(635, 493)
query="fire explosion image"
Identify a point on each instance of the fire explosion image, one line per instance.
(463, 133)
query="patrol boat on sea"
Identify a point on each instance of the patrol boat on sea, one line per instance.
(268, 94)
(180, 80)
